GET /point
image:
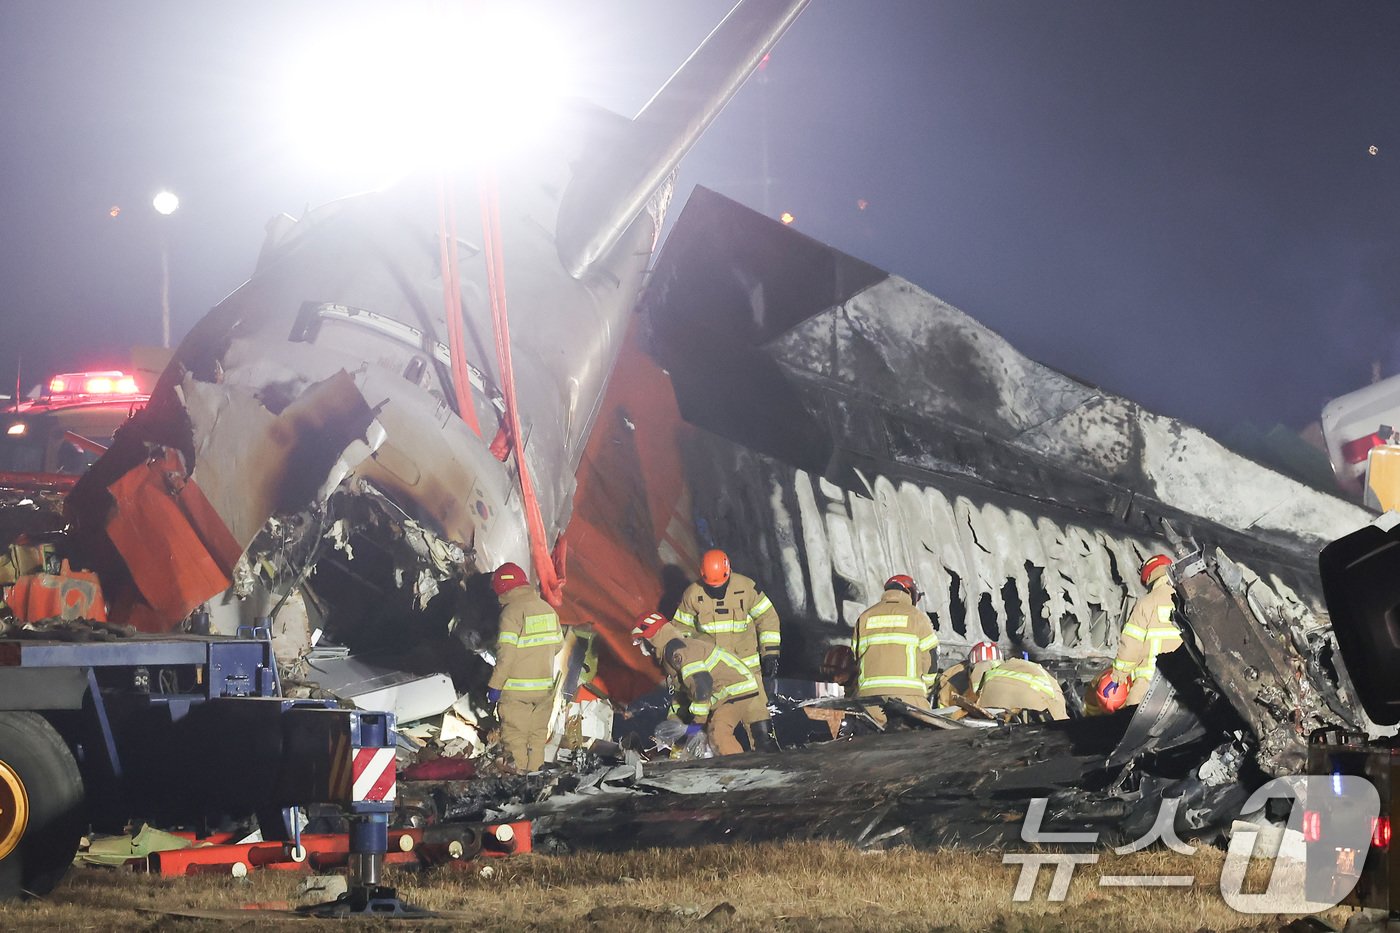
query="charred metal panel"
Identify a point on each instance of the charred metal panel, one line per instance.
(722, 289)
(1264, 654)
(856, 426)
(926, 789)
(1019, 570)
(958, 398)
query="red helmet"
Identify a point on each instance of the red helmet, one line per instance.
(648, 625)
(1152, 565)
(714, 568)
(984, 651)
(902, 581)
(839, 664)
(507, 577)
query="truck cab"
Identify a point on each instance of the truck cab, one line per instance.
(1356, 424)
(50, 440)
(1361, 583)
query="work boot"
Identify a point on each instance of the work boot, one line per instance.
(763, 738)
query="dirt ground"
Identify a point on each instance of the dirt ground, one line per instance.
(807, 887)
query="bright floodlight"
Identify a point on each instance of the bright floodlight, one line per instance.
(165, 202)
(422, 87)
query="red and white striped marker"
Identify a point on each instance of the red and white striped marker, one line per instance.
(373, 774)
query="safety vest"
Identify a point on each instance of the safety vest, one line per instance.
(1152, 623)
(729, 677)
(529, 639)
(731, 620)
(892, 643)
(1037, 682)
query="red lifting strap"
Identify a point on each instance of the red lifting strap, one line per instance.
(551, 578)
(452, 302)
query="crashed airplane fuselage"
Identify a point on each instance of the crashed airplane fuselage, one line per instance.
(325, 434)
(829, 424)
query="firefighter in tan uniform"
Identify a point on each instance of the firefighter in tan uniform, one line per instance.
(1149, 631)
(729, 609)
(723, 692)
(523, 684)
(955, 682)
(896, 648)
(1015, 683)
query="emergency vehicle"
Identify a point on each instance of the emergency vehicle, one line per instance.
(50, 440)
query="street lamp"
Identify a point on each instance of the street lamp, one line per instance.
(165, 203)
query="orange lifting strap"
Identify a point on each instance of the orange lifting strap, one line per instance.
(550, 573)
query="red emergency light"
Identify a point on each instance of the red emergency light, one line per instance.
(110, 382)
(1380, 833)
(1312, 826)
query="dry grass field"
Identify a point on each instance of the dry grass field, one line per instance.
(807, 887)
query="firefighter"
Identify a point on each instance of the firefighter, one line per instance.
(723, 692)
(895, 646)
(1014, 683)
(839, 667)
(730, 609)
(523, 684)
(956, 680)
(1149, 631)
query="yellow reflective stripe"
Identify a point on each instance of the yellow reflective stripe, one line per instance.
(751, 661)
(724, 626)
(1032, 680)
(770, 638)
(699, 709)
(928, 642)
(1170, 632)
(739, 688)
(508, 638)
(713, 659)
(908, 639)
(1164, 613)
(912, 683)
(684, 618)
(1130, 630)
(760, 607)
(545, 622)
(528, 683)
(708, 663)
(1122, 666)
(930, 678)
(546, 638)
(887, 622)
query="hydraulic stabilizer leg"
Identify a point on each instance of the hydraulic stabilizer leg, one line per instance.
(369, 840)
(367, 790)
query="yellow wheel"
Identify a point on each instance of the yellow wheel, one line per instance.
(14, 809)
(42, 811)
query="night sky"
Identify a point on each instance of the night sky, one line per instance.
(1175, 201)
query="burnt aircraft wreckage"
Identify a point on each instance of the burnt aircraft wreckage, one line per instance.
(337, 443)
(896, 432)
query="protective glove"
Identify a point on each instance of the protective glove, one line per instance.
(768, 666)
(493, 696)
(694, 729)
